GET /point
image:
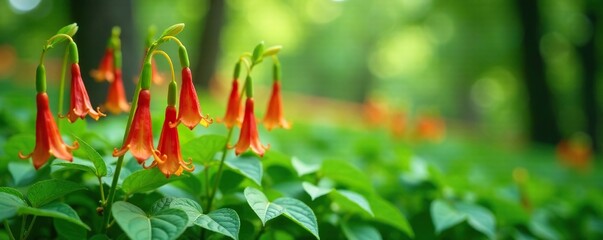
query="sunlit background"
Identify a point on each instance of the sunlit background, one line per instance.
(346, 61)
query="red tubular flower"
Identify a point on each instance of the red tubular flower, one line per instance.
(234, 111)
(48, 138)
(274, 115)
(170, 159)
(105, 69)
(80, 102)
(249, 133)
(189, 112)
(116, 99)
(140, 136)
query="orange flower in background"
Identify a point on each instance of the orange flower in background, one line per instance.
(157, 76)
(398, 124)
(249, 137)
(374, 112)
(80, 102)
(105, 69)
(48, 138)
(140, 137)
(576, 151)
(189, 112)
(116, 99)
(274, 115)
(234, 111)
(430, 127)
(170, 158)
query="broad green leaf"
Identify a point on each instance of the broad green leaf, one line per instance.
(12, 191)
(203, 149)
(356, 199)
(261, 206)
(76, 166)
(389, 214)
(315, 191)
(161, 204)
(540, 226)
(480, 218)
(303, 167)
(248, 166)
(23, 173)
(9, 204)
(444, 215)
(46, 191)
(94, 157)
(300, 213)
(146, 180)
(23, 143)
(224, 221)
(69, 230)
(165, 224)
(345, 173)
(55, 210)
(360, 231)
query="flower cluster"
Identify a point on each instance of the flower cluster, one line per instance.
(138, 139)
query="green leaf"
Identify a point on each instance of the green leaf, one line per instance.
(76, 166)
(389, 214)
(444, 215)
(94, 157)
(300, 213)
(224, 221)
(356, 199)
(345, 173)
(69, 230)
(480, 218)
(165, 224)
(55, 210)
(146, 180)
(12, 191)
(303, 167)
(23, 173)
(161, 204)
(9, 204)
(249, 166)
(315, 191)
(261, 206)
(360, 231)
(46, 191)
(203, 149)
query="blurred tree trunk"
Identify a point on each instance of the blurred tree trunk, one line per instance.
(95, 20)
(543, 121)
(588, 55)
(210, 43)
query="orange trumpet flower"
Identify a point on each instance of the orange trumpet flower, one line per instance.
(274, 115)
(189, 112)
(105, 68)
(116, 98)
(249, 136)
(80, 102)
(140, 137)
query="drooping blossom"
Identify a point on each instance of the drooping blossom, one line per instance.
(105, 68)
(80, 102)
(140, 136)
(189, 111)
(48, 138)
(249, 137)
(274, 115)
(169, 160)
(234, 110)
(116, 98)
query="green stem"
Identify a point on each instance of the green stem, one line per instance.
(102, 192)
(10, 233)
(219, 173)
(33, 220)
(62, 83)
(120, 160)
(24, 220)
